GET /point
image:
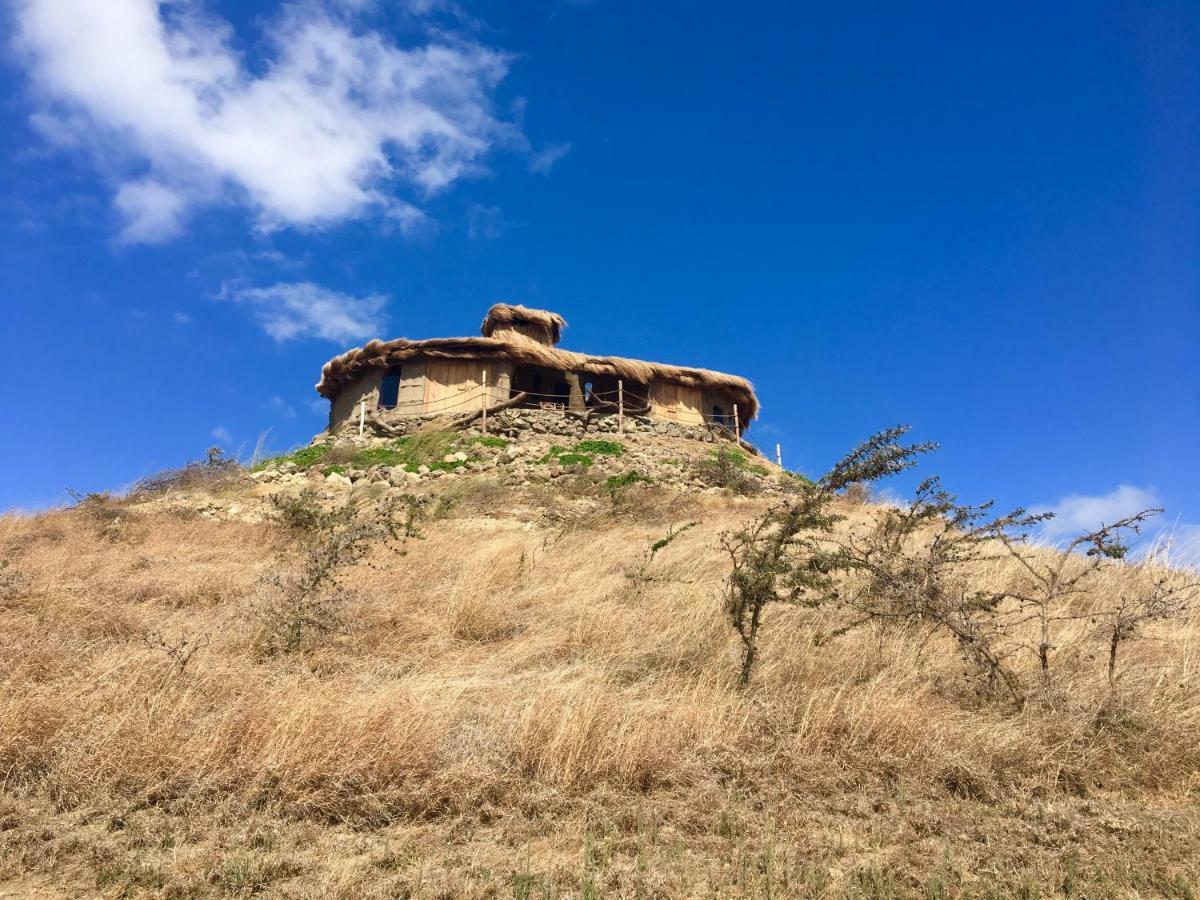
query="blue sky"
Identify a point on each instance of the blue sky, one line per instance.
(983, 222)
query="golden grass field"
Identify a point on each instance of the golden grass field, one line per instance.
(516, 712)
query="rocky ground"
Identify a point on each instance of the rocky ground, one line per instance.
(523, 449)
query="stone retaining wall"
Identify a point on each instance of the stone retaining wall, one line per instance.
(515, 423)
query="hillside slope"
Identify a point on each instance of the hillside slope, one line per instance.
(516, 697)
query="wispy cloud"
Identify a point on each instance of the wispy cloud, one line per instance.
(222, 435)
(336, 123)
(543, 161)
(485, 223)
(1077, 514)
(182, 318)
(291, 311)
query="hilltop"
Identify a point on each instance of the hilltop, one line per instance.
(467, 665)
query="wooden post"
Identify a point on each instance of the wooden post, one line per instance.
(737, 425)
(779, 456)
(621, 405)
(575, 400)
(362, 416)
(485, 400)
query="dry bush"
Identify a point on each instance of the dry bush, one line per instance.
(216, 472)
(306, 596)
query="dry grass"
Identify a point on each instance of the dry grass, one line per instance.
(521, 710)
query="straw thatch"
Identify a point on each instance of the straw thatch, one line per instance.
(502, 314)
(525, 351)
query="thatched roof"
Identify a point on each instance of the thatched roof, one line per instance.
(509, 314)
(525, 351)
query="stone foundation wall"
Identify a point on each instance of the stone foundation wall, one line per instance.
(515, 423)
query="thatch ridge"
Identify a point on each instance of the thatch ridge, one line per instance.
(380, 354)
(512, 313)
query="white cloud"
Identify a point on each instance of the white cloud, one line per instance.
(288, 311)
(1078, 514)
(153, 214)
(331, 126)
(221, 434)
(182, 318)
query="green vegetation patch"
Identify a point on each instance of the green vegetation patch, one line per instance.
(601, 448)
(567, 457)
(576, 459)
(426, 448)
(583, 453)
(624, 480)
(301, 459)
(615, 485)
(487, 440)
(380, 456)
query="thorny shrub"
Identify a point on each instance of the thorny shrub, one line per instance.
(786, 555)
(179, 650)
(639, 574)
(305, 599)
(910, 565)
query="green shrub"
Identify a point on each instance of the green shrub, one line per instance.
(728, 467)
(616, 484)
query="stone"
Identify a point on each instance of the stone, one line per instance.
(423, 469)
(460, 456)
(460, 470)
(337, 479)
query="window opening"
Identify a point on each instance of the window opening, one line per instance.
(389, 389)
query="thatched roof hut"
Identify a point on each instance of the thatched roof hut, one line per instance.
(517, 356)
